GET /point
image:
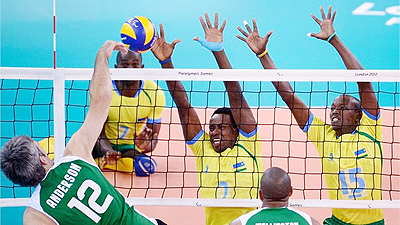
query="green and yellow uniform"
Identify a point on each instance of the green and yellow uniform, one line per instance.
(231, 174)
(76, 192)
(352, 165)
(128, 115)
(272, 216)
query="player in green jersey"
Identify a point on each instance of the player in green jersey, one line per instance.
(349, 147)
(73, 191)
(275, 190)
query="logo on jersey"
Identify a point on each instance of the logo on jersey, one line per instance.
(362, 153)
(239, 167)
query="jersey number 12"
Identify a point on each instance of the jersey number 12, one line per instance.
(94, 207)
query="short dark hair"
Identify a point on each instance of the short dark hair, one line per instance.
(20, 161)
(275, 184)
(226, 111)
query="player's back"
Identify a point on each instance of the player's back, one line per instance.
(75, 191)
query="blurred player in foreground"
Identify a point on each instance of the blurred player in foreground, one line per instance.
(74, 190)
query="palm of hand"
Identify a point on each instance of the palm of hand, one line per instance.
(326, 29)
(143, 139)
(162, 50)
(255, 42)
(214, 35)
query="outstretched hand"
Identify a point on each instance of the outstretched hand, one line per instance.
(326, 24)
(256, 43)
(161, 49)
(213, 34)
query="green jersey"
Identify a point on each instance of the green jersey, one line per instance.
(75, 191)
(275, 216)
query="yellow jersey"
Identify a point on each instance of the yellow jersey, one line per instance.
(232, 174)
(48, 146)
(128, 115)
(351, 164)
(122, 165)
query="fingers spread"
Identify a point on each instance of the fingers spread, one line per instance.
(269, 34)
(241, 38)
(174, 42)
(316, 19)
(247, 26)
(242, 31)
(333, 16)
(208, 21)
(322, 13)
(162, 31)
(216, 21)
(255, 26)
(202, 23)
(223, 26)
(329, 11)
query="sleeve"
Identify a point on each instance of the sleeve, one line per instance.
(371, 124)
(199, 143)
(159, 105)
(315, 130)
(250, 141)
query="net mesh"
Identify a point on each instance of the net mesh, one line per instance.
(27, 108)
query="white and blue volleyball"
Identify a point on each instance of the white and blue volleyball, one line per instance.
(139, 34)
(144, 166)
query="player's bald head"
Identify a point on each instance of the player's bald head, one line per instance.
(275, 184)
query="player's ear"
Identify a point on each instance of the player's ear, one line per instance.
(42, 160)
(261, 195)
(142, 65)
(291, 191)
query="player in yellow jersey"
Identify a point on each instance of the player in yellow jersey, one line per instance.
(349, 147)
(134, 119)
(226, 156)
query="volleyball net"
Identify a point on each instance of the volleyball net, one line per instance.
(45, 102)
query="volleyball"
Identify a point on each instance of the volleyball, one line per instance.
(144, 166)
(139, 34)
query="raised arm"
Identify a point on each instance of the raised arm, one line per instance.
(241, 111)
(189, 118)
(83, 141)
(327, 32)
(214, 40)
(258, 45)
(163, 51)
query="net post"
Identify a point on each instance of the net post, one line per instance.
(59, 113)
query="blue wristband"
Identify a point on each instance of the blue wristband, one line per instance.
(212, 46)
(165, 61)
(330, 37)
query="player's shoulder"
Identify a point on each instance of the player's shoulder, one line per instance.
(33, 216)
